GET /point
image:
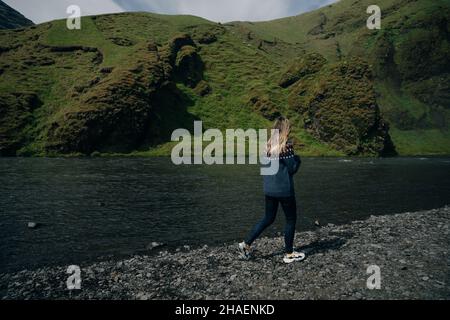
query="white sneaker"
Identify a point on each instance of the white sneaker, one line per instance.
(244, 251)
(294, 257)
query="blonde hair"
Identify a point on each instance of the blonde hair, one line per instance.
(278, 141)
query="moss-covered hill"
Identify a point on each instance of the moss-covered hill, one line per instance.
(11, 19)
(123, 82)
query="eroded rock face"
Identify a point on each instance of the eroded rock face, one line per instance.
(188, 66)
(118, 112)
(112, 111)
(182, 63)
(171, 49)
(339, 107)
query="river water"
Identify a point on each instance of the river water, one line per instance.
(89, 208)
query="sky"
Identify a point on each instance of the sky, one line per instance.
(215, 10)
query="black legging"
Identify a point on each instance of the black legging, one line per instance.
(290, 210)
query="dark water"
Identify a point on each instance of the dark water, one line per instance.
(97, 207)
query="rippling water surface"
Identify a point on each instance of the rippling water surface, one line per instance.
(90, 208)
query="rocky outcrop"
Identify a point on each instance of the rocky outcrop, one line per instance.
(188, 66)
(122, 109)
(411, 250)
(339, 107)
(182, 62)
(114, 111)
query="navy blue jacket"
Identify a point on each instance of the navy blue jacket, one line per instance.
(281, 185)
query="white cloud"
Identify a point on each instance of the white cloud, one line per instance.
(214, 10)
(46, 10)
(224, 10)
(230, 10)
(248, 10)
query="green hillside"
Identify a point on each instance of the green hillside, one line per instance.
(408, 56)
(11, 19)
(124, 82)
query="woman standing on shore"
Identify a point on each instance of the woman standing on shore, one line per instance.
(279, 189)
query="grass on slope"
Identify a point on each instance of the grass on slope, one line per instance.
(235, 70)
(98, 31)
(417, 134)
(340, 30)
(239, 67)
(422, 142)
(343, 22)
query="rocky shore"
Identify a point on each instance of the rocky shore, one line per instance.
(411, 250)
